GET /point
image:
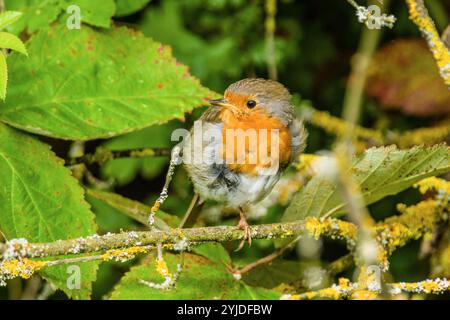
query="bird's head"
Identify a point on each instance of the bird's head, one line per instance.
(249, 96)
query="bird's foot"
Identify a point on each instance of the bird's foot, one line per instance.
(243, 224)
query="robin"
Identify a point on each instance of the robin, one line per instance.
(233, 164)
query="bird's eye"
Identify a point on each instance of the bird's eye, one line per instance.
(251, 104)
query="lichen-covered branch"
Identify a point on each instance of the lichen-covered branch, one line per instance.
(366, 137)
(102, 155)
(415, 221)
(372, 16)
(430, 135)
(345, 289)
(418, 13)
(96, 243)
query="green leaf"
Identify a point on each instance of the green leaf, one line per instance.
(125, 170)
(213, 251)
(127, 7)
(3, 75)
(84, 84)
(277, 272)
(135, 209)
(380, 172)
(38, 14)
(200, 278)
(42, 202)
(95, 13)
(8, 17)
(108, 218)
(10, 41)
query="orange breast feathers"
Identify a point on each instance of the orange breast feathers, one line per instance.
(247, 138)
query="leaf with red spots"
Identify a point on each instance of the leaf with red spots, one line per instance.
(39, 14)
(84, 84)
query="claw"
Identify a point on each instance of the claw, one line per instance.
(243, 224)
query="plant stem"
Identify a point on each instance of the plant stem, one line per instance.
(271, 10)
(103, 155)
(357, 80)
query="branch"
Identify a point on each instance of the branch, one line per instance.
(418, 13)
(390, 234)
(96, 243)
(371, 16)
(370, 137)
(102, 155)
(418, 220)
(352, 290)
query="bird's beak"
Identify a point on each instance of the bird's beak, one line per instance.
(219, 102)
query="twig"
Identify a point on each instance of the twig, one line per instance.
(371, 16)
(341, 264)
(344, 148)
(353, 290)
(357, 80)
(419, 219)
(418, 13)
(109, 241)
(390, 234)
(133, 209)
(175, 159)
(102, 155)
(370, 137)
(269, 258)
(271, 10)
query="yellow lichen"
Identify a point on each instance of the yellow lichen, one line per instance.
(333, 228)
(414, 222)
(344, 283)
(161, 267)
(360, 291)
(330, 293)
(338, 126)
(433, 183)
(337, 291)
(23, 268)
(427, 136)
(429, 286)
(123, 255)
(363, 295)
(306, 161)
(440, 52)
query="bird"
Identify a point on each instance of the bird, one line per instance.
(230, 168)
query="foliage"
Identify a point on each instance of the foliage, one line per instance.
(218, 283)
(42, 202)
(392, 82)
(140, 97)
(85, 134)
(8, 41)
(379, 172)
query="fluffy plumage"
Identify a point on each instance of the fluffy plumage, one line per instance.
(238, 185)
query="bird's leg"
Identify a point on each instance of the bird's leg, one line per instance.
(243, 224)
